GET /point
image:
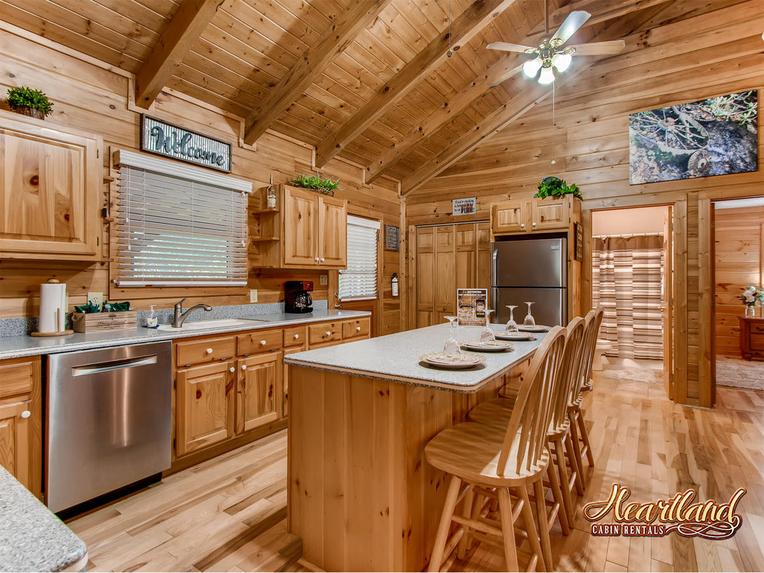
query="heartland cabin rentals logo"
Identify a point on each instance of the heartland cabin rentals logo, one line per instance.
(680, 514)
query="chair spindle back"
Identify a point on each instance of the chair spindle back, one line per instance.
(569, 372)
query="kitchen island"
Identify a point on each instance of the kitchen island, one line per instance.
(361, 495)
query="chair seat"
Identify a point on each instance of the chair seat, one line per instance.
(493, 413)
(471, 451)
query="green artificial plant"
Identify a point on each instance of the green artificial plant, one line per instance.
(325, 186)
(555, 187)
(29, 101)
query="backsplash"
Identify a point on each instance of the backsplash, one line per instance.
(20, 326)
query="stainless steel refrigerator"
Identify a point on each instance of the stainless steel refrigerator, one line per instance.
(530, 269)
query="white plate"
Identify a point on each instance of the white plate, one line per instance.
(518, 337)
(496, 346)
(537, 328)
(439, 360)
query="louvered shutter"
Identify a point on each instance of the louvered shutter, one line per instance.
(178, 225)
(359, 279)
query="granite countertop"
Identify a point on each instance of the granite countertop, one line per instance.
(32, 538)
(20, 346)
(396, 356)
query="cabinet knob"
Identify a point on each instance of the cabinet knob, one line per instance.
(522, 225)
(316, 259)
(328, 333)
(263, 342)
(323, 260)
(209, 351)
(534, 223)
(243, 366)
(232, 369)
(358, 329)
(296, 336)
(26, 414)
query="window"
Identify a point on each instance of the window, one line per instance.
(359, 280)
(179, 225)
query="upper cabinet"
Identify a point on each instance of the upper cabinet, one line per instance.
(49, 190)
(520, 216)
(308, 230)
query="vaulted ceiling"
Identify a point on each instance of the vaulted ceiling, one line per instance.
(403, 87)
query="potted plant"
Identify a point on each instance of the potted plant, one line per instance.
(555, 187)
(325, 186)
(749, 297)
(29, 101)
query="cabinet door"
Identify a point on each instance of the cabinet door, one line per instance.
(258, 397)
(49, 190)
(15, 440)
(466, 252)
(300, 227)
(332, 232)
(425, 276)
(549, 214)
(204, 406)
(445, 271)
(510, 217)
(484, 257)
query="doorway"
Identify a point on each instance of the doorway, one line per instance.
(738, 337)
(631, 272)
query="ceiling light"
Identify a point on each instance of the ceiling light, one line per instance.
(531, 67)
(561, 61)
(546, 77)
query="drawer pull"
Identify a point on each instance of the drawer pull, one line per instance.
(358, 329)
(232, 369)
(296, 337)
(328, 333)
(26, 414)
(209, 351)
(243, 366)
(323, 260)
(263, 342)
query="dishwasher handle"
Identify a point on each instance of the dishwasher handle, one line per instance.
(114, 365)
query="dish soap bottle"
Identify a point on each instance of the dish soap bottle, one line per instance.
(151, 320)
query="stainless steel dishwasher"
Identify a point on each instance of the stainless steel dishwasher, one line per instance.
(108, 420)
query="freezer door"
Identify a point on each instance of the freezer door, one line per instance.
(549, 306)
(529, 263)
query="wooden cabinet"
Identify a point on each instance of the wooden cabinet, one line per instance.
(356, 328)
(324, 333)
(510, 216)
(21, 421)
(533, 215)
(50, 189)
(300, 227)
(258, 394)
(204, 350)
(332, 232)
(550, 214)
(751, 338)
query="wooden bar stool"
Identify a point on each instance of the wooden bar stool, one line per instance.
(485, 462)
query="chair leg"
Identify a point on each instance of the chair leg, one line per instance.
(467, 513)
(562, 514)
(564, 478)
(530, 528)
(507, 528)
(573, 415)
(441, 537)
(543, 524)
(571, 453)
(585, 438)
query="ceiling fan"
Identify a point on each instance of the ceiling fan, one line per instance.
(552, 54)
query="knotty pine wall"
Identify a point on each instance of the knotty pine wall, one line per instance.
(713, 54)
(93, 96)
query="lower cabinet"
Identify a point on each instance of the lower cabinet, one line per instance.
(258, 396)
(15, 440)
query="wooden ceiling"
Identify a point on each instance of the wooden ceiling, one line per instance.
(400, 86)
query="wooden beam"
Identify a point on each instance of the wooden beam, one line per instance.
(467, 24)
(189, 21)
(601, 10)
(310, 66)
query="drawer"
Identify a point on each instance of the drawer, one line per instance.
(17, 377)
(757, 342)
(259, 341)
(324, 332)
(295, 336)
(205, 350)
(355, 328)
(757, 328)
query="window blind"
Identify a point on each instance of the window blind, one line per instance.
(359, 279)
(179, 226)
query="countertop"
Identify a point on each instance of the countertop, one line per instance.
(31, 537)
(21, 346)
(396, 356)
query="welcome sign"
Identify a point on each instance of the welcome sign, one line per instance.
(178, 143)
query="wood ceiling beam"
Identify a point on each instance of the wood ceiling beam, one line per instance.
(310, 66)
(601, 10)
(464, 27)
(188, 23)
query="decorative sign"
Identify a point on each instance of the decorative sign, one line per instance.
(578, 246)
(171, 141)
(392, 238)
(464, 206)
(471, 304)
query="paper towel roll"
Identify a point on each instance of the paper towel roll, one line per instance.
(52, 307)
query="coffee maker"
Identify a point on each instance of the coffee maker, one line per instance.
(297, 297)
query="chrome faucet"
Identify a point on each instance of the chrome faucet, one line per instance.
(180, 315)
(337, 302)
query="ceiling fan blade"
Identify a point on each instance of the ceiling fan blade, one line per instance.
(571, 25)
(504, 75)
(600, 48)
(508, 47)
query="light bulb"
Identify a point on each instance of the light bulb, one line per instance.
(546, 77)
(531, 67)
(562, 61)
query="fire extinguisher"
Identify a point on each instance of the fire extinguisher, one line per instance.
(394, 285)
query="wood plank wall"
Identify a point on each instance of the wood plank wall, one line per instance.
(93, 96)
(702, 56)
(738, 253)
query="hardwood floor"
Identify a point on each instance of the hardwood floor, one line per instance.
(228, 514)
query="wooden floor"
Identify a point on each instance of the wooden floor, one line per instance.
(229, 514)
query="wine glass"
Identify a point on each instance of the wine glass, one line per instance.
(529, 320)
(511, 324)
(451, 349)
(486, 334)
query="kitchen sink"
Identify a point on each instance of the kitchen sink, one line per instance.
(208, 324)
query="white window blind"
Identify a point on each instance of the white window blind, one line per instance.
(359, 279)
(179, 226)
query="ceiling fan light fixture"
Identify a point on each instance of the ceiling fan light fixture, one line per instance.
(531, 67)
(547, 76)
(561, 61)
